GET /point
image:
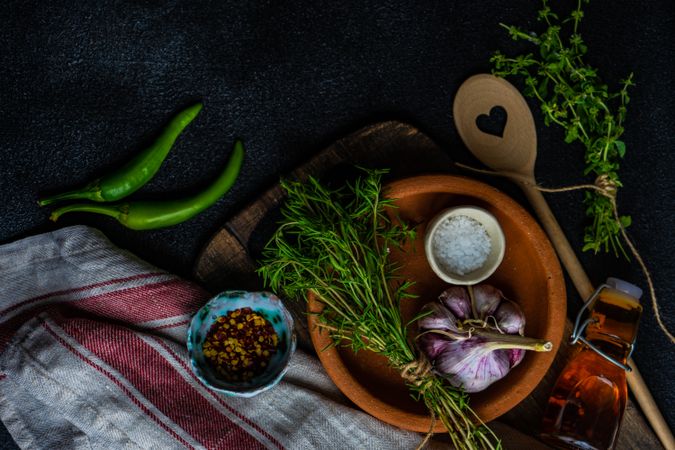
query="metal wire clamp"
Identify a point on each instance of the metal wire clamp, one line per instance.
(580, 328)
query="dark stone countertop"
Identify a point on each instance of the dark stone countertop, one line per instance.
(87, 84)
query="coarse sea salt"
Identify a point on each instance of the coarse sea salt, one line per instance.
(461, 244)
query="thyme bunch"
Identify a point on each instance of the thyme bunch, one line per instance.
(335, 243)
(573, 96)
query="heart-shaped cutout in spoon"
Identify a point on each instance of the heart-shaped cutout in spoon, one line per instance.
(516, 150)
(493, 123)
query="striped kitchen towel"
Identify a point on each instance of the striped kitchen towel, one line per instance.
(92, 355)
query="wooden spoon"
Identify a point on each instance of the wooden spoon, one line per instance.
(513, 155)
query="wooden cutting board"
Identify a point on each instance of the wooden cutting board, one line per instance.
(228, 259)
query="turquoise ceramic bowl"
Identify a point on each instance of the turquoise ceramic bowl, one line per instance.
(267, 305)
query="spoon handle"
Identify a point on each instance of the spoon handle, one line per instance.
(585, 289)
(565, 252)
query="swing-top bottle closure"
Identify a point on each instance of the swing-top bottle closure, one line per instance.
(587, 403)
(580, 326)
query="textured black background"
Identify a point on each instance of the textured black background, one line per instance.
(85, 85)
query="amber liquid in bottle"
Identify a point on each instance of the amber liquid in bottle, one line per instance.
(588, 401)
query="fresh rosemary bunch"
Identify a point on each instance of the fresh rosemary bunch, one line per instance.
(336, 243)
(573, 96)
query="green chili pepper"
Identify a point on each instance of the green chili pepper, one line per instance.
(149, 215)
(133, 175)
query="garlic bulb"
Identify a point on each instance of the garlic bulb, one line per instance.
(474, 337)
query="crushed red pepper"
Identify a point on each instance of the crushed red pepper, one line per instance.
(240, 345)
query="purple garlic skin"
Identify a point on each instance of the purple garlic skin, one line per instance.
(457, 300)
(510, 318)
(471, 366)
(487, 300)
(472, 354)
(440, 318)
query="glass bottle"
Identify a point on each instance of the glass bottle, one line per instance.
(588, 400)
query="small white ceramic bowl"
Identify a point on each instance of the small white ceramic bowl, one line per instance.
(497, 247)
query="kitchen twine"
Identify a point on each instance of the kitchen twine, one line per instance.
(606, 187)
(414, 373)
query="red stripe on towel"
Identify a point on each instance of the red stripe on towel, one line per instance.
(119, 384)
(145, 303)
(154, 377)
(218, 398)
(154, 301)
(80, 289)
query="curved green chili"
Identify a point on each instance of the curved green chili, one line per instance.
(149, 215)
(133, 175)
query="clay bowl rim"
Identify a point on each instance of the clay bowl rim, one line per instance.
(455, 185)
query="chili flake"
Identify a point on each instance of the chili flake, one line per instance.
(240, 345)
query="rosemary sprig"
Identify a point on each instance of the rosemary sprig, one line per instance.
(335, 243)
(573, 96)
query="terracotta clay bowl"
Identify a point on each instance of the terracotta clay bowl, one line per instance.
(529, 275)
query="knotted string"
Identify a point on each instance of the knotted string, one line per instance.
(415, 373)
(607, 188)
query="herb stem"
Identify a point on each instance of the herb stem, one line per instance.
(335, 244)
(573, 96)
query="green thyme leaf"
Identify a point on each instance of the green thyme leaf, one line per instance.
(572, 95)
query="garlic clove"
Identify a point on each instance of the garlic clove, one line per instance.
(516, 355)
(510, 318)
(433, 345)
(457, 300)
(438, 318)
(487, 298)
